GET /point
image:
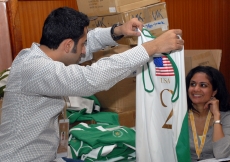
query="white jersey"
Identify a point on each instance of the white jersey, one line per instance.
(161, 108)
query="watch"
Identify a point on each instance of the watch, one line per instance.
(217, 122)
(115, 38)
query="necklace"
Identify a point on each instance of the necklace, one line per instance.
(197, 147)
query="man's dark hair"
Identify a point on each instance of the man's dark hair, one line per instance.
(218, 83)
(63, 23)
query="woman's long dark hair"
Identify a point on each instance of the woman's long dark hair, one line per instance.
(218, 83)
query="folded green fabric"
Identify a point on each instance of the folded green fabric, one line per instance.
(101, 142)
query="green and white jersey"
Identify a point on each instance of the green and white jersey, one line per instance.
(161, 108)
(97, 142)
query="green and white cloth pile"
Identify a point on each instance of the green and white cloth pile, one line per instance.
(99, 142)
(104, 141)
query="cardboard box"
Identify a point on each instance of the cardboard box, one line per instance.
(121, 97)
(206, 57)
(127, 118)
(108, 21)
(154, 17)
(105, 21)
(109, 7)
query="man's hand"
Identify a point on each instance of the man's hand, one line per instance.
(129, 28)
(166, 42)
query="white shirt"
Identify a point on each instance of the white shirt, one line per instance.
(34, 94)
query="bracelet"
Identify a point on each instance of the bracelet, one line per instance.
(217, 122)
(115, 38)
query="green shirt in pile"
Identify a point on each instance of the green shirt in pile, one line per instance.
(101, 142)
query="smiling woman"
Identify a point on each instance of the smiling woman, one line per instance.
(209, 113)
(200, 90)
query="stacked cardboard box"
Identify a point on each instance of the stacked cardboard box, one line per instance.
(110, 7)
(154, 17)
(204, 57)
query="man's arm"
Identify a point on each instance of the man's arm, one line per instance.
(99, 38)
(166, 42)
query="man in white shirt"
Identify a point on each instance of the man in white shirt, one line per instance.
(41, 75)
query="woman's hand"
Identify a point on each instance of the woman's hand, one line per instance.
(213, 105)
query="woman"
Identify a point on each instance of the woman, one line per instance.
(209, 114)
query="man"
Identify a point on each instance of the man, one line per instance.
(42, 75)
